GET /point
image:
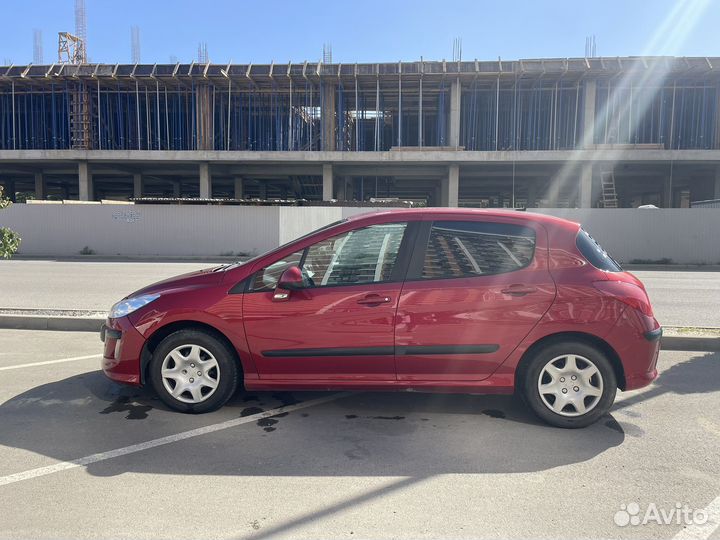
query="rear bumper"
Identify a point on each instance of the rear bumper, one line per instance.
(123, 347)
(637, 347)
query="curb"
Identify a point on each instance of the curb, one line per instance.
(696, 343)
(92, 324)
(40, 322)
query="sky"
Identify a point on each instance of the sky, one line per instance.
(364, 31)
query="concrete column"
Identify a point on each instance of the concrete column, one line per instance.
(552, 193)
(85, 187)
(449, 187)
(667, 192)
(589, 93)
(444, 192)
(39, 186)
(205, 181)
(204, 117)
(9, 191)
(263, 189)
(176, 188)
(717, 183)
(455, 98)
(328, 117)
(238, 181)
(453, 185)
(532, 194)
(586, 175)
(327, 182)
(137, 185)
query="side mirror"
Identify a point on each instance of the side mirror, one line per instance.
(290, 280)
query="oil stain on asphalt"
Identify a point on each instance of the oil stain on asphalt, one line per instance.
(135, 411)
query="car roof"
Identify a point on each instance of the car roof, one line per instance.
(544, 219)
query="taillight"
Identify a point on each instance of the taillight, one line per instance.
(628, 293)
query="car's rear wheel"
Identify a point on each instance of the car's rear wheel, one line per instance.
(193, 371)
(569, 384)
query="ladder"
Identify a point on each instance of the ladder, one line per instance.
(609, 195)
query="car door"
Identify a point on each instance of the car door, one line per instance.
(474, 290)
(340, 324)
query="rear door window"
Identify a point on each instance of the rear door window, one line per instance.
(595, 254)
(458, 249)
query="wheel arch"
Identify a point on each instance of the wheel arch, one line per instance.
(559, 337)
(164, 331)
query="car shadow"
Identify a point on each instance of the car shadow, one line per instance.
(699, 374)
(364, 434)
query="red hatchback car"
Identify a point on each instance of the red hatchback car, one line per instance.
(435, 300)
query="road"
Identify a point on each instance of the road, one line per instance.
(680, 298)
(357, 465)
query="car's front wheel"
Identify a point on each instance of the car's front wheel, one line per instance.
(193, 371)
(569, 384)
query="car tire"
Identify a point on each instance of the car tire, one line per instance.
(193, 371)
(569, 384)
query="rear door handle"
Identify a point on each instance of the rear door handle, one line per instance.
(374, 300)
(519, 289)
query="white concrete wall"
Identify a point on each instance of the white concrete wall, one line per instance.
(688, 236)
(683, 235)
(143, 229)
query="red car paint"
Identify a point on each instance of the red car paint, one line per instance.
(400, 324)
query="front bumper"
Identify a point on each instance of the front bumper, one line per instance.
(122, 351)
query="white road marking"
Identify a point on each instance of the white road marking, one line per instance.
(702, 532)
(110, 454)
(48, 362)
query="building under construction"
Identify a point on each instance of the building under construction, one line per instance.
(585, 132)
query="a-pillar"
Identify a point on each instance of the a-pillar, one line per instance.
(205, 181)
(328, 117)
(455, 99)
(589, 93)
(85, 187)
(239, 187)
(39, 186)
(137, 185)
(450, 187)
(716, 191)
(586, 177)
(327, 185)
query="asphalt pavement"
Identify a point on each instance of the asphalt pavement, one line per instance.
(341, 465)
(679, 297)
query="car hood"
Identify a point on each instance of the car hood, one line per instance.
(199, 278)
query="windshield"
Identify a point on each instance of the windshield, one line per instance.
(253, 259)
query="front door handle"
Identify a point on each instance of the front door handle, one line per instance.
(374, 300)
(518, 289)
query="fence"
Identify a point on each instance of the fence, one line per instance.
(681, 235)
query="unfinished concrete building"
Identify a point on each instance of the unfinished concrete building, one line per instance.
(587, 132)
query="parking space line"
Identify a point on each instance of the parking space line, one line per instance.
(48, 362)
(110, 454)
(698, 531)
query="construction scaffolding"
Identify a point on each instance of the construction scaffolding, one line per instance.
(523, 105)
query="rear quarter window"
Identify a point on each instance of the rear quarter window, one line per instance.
(594, 253)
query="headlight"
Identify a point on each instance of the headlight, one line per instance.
(127, 306)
